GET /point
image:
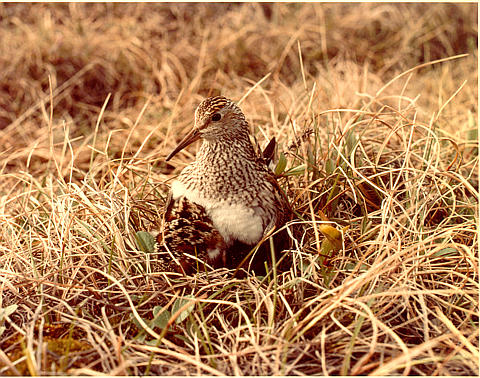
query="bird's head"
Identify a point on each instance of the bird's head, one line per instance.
(215, 118)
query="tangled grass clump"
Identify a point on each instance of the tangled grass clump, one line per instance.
(378, 155)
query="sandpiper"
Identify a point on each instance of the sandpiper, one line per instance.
(226, 201)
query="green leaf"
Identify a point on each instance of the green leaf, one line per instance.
(296, 171)
(137, 324)
(330, 166)
(179, 303)
(351, 142)
(472, 124)
(140, 337)
(326, 248)
(366, 225)
(7, 311)
(449, 251)
(160, 319)
(349, 267)
(472, 132)
(4, 312)
(282, 163)
(145, 241)
(182, 338)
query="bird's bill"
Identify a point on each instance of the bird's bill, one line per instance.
(191, 137)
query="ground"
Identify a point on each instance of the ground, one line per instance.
(375, 110)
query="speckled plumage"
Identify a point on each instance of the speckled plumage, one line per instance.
(226, 198)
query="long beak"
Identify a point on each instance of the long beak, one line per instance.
(191, 137)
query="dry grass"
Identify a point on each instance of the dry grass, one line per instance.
(92, 98)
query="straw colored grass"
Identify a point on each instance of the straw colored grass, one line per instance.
(375, 110)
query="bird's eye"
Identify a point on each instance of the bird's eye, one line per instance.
(216, 117)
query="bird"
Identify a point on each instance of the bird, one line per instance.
(225, 202)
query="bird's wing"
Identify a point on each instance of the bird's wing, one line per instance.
(281, 202)
(187, 230)
(269, 151)
(265, 156)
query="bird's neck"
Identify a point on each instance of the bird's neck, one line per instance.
(223, 168)
(222, 151)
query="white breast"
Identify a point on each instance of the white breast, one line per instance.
(237, 222)
(234, 222)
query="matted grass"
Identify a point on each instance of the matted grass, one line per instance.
(375, 110)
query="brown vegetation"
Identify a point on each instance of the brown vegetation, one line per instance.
(375, 109)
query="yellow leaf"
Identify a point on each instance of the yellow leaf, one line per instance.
(333, 235)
